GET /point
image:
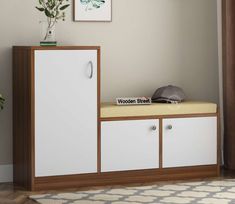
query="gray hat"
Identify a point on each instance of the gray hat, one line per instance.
(168, 94)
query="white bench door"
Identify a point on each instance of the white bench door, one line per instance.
(189, 141)
(129, 145)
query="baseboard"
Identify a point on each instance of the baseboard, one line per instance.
(6, 173)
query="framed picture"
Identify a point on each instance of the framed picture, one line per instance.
(93, 10)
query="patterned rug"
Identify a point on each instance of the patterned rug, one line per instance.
(205, 192)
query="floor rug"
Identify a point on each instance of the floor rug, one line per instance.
(204, 192)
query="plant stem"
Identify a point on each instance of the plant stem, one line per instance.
(48, 27)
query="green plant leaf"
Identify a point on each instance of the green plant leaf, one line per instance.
(96, 6)
(40, 9)
(100, 1)
(48, 14)
(51, 5)
(64, 7)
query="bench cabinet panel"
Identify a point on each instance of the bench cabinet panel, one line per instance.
(129, 145)
(189, 141)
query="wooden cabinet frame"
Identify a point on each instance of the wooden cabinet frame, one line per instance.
(24, 110)
(23, 137)
(161, 117)
(135, 176)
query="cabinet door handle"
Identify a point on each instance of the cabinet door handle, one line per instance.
(90, 63)
(154, 127)
(169, 127)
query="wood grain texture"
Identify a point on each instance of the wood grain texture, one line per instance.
(219, 142)
(57, 47)
(125, 177)
(98, 111)
(160, 143)
(22, 118)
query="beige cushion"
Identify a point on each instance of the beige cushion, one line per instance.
(109, 110)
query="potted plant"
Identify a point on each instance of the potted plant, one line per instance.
(54, 11)
(1, 102)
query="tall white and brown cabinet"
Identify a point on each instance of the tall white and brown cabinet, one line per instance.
(64, 138)
(56, 110)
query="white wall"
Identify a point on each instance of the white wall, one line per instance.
(150, 43)
(200, 49)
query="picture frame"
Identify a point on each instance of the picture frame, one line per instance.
(93, 10)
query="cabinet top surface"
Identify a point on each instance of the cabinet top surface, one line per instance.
(110, 110)
(58, 47)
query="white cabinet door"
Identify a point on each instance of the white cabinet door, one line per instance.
(65, 112)
(189, 141)
(129, 145)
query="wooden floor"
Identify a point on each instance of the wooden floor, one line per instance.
(15, 195)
